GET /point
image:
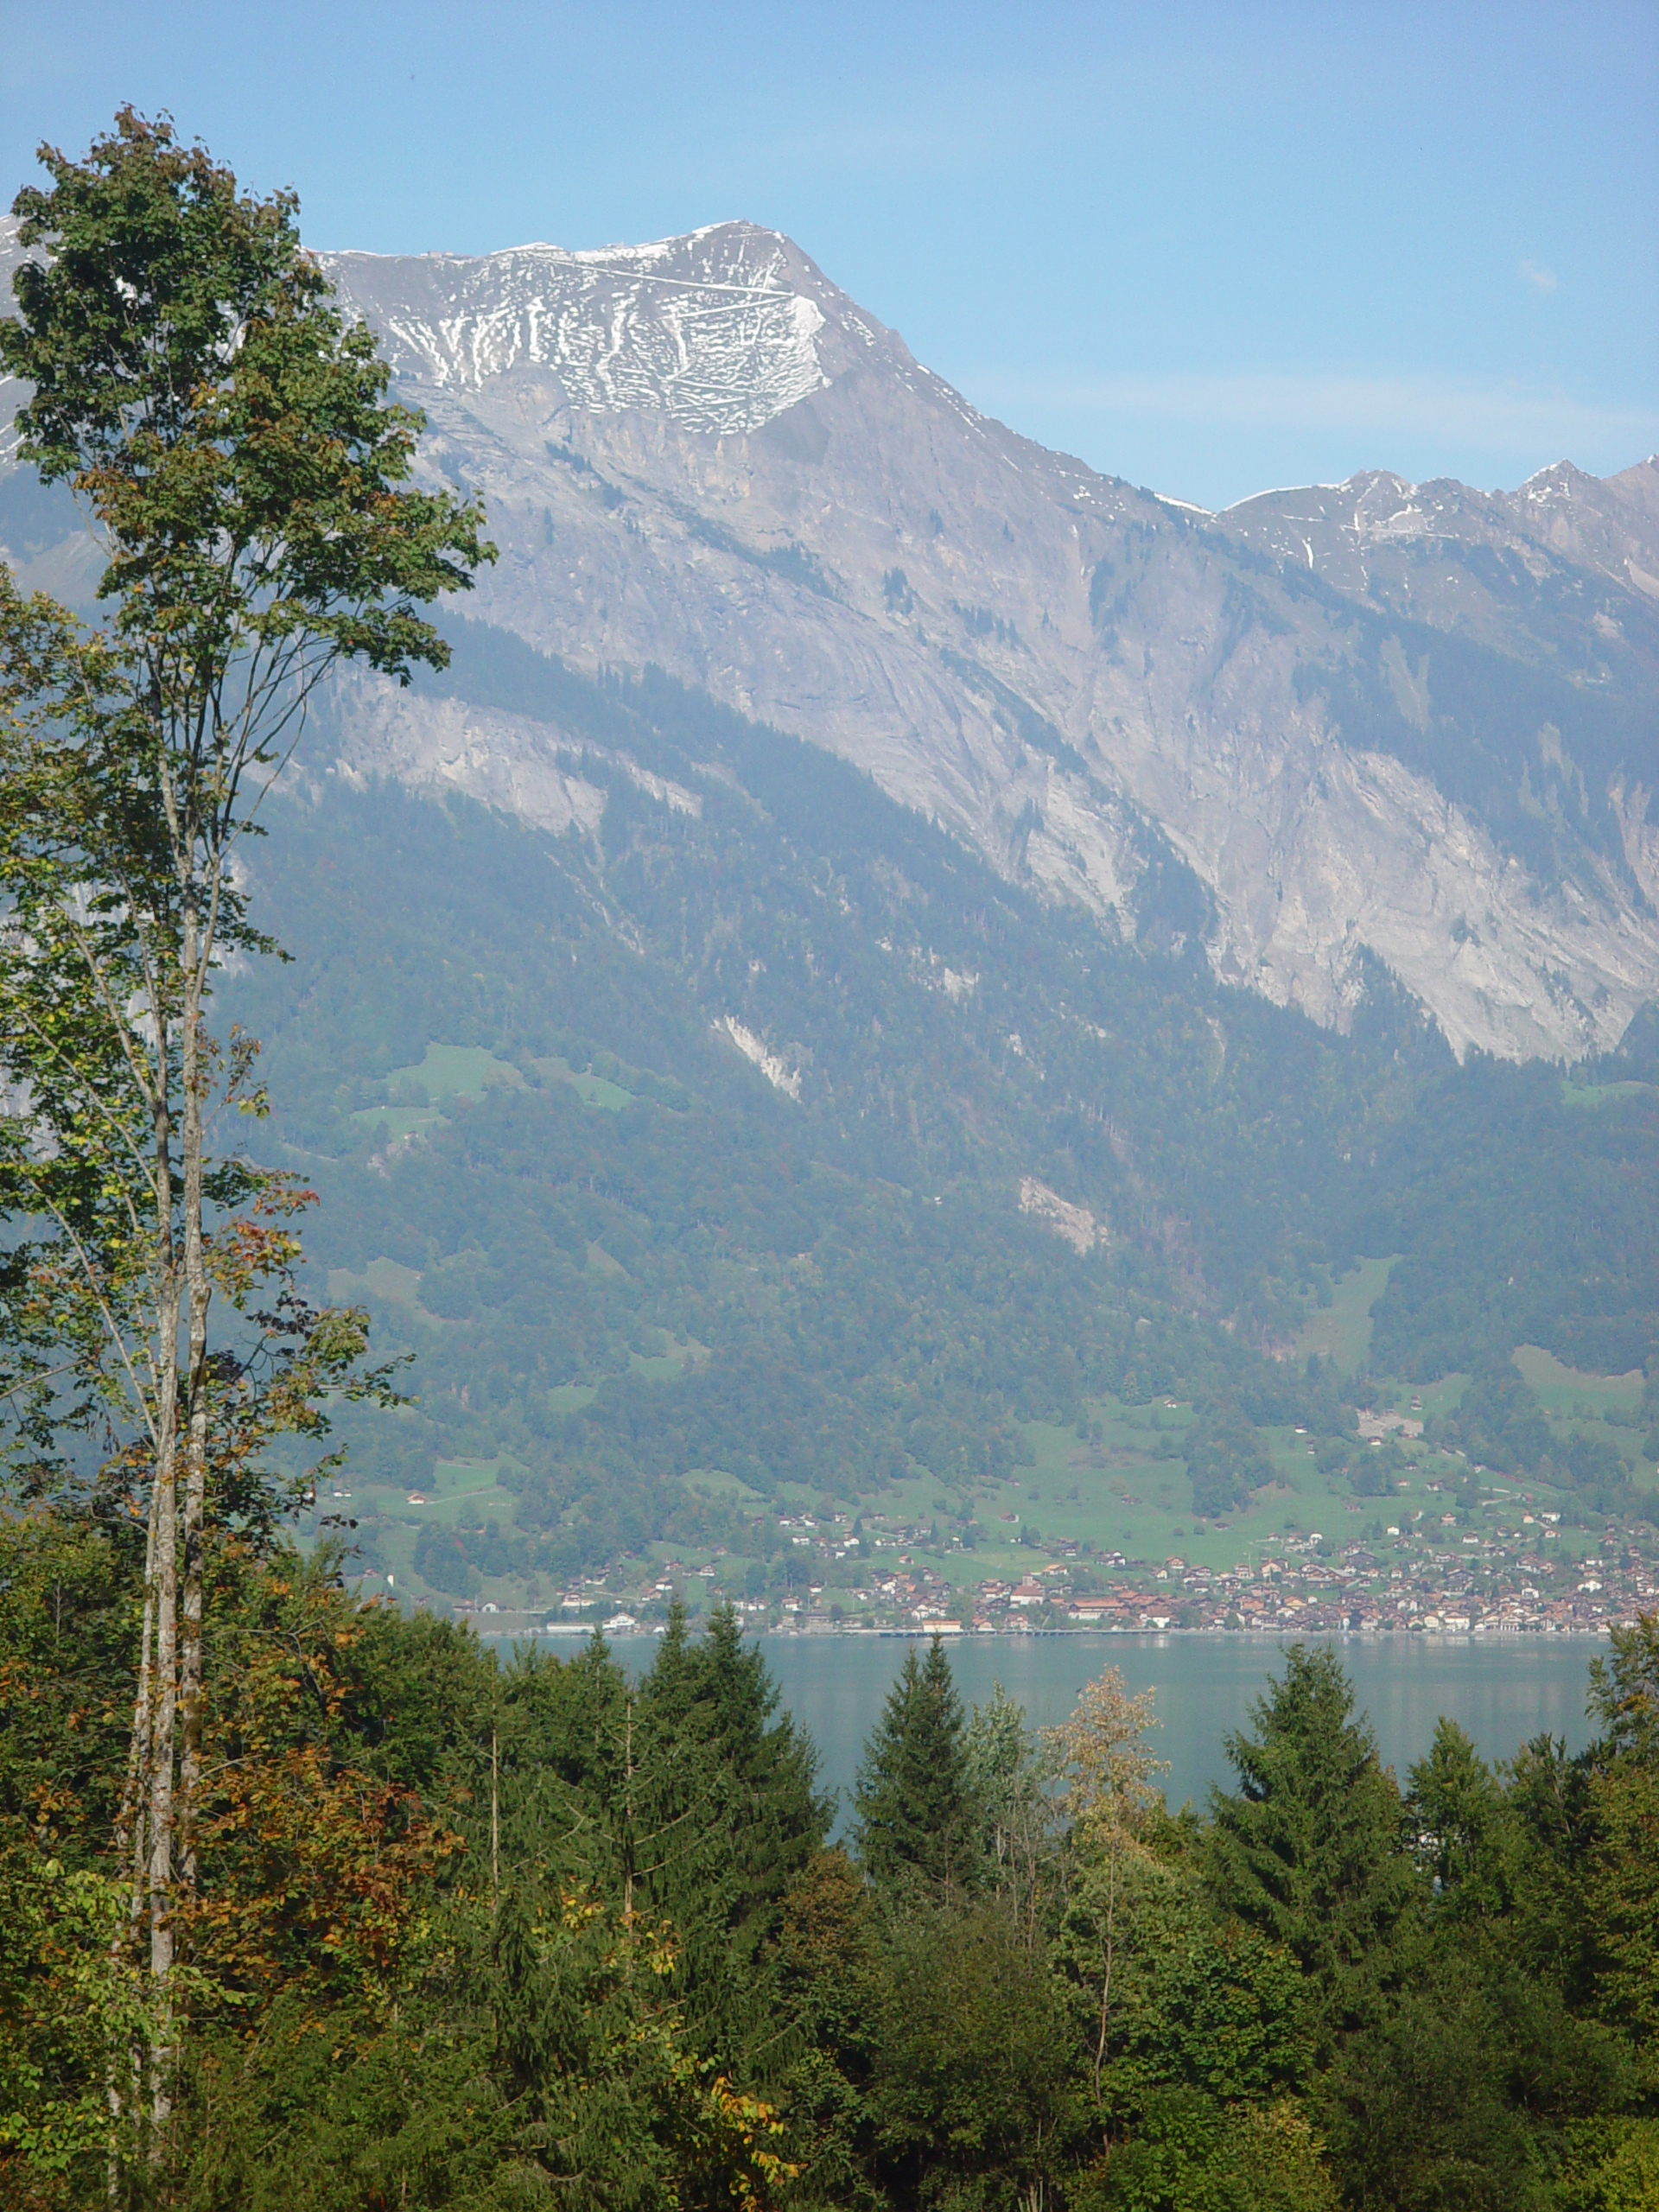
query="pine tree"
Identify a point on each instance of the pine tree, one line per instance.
(915, 1813)
(1458, 1813)
(725, 1815)
(1312, 1848)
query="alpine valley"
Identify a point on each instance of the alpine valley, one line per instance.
(895, 980)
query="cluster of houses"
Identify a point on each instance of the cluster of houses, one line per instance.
(1465, 1581)
(1486, 1589)
(1509, 1569)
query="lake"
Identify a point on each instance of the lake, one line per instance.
(1501, 1691)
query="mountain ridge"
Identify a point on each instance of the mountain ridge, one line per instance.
(1379, 722)
(884, 569)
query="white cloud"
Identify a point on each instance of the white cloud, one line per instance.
(1540, 279)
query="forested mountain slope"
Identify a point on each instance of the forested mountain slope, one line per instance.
(840, 1155)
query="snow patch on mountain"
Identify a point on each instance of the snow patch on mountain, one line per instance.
(709, 330)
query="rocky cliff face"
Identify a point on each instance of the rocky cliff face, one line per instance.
(1375, 721)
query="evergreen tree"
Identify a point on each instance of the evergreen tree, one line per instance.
(1311, 1849)
(917, 1817)
(725, 1814)
(1463, 1840)
(1620, 1865)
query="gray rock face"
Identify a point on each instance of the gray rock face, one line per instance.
(1417, 725)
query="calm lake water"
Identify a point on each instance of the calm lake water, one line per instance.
(1501, 1692)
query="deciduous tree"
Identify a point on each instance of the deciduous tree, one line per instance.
(1109, 1797)
(231, 445)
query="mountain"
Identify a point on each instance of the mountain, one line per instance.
(765, 1022)
(1413, 724)
(1416, 726)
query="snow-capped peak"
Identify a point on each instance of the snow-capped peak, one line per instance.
(716, 329)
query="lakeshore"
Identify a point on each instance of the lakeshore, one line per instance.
(956, 1635)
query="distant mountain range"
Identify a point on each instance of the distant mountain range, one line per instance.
(1333, 727)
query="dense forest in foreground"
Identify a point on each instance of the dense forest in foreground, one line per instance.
(479, 1932)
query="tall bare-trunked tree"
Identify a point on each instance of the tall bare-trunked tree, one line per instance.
(232, 449)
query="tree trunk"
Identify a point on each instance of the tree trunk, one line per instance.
(1106, 1979)
(164, 1692)
(165, 1710)
(129, 1814)
(198, 1291)
(124, 2073)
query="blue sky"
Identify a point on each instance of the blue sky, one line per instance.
(1208, 248)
